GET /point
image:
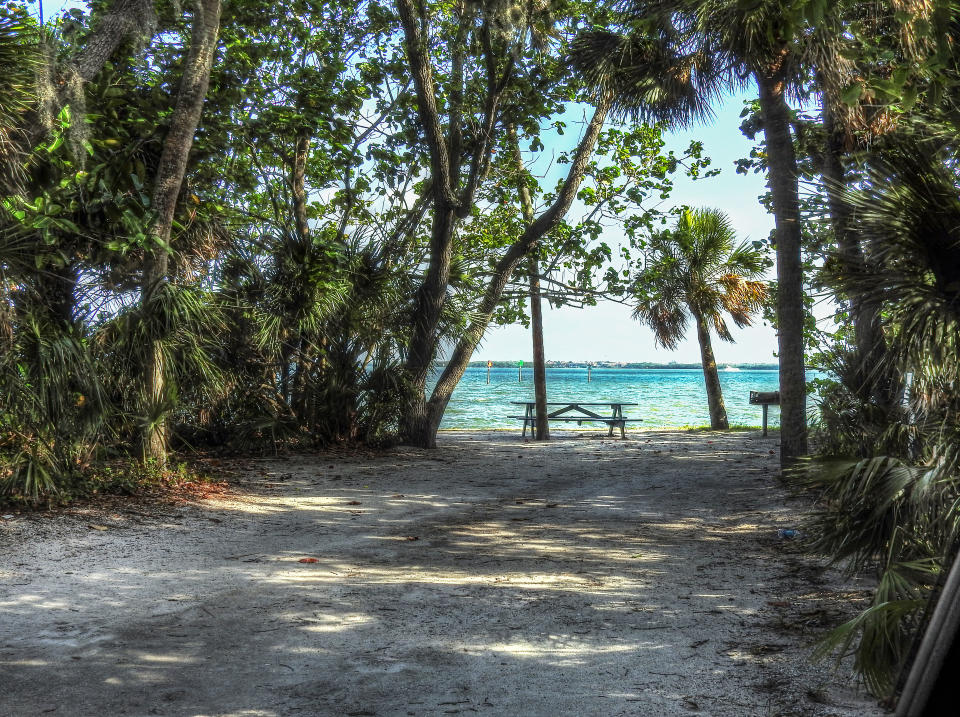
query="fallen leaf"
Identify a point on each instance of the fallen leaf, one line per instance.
(354, 502)
(98, 527)
(308, 560)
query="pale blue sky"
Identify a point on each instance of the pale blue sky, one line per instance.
(607, 332)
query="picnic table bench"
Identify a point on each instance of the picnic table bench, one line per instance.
(576, 411)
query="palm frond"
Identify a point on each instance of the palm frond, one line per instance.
(689, 269)
(652, 79)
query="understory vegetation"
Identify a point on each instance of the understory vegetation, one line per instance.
(248, 225)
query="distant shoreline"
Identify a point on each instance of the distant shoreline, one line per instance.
(624, 365)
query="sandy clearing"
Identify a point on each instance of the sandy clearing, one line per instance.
(586, 576)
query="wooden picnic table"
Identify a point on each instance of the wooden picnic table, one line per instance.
(578, 411)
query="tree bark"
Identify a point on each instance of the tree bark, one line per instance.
(711, 378)
(419, 423)
(539, 360)
(422, 72)
(169, 179)
(417, 426)
(298, 194)
(416, 421)
(298, 181)
(864, 314)
(542, 427)
(124, 20)
(782, 163)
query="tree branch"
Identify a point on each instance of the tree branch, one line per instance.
(422, 72)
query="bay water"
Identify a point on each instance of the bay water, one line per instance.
(664, 397)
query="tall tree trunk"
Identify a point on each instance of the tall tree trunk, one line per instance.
(169, 179)
(868, 337)
(711, 378)
(541, 226)
(298, 193)
(864, 314)
(418, 426)
(453, 197)
(298, 182)
(782, 173)
(542, 427)
(539, 360)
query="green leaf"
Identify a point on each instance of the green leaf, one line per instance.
(851, 95)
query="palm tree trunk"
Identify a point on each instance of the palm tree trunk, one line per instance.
(782, 163)
(864, 314)
(711, 378)
(169, 179)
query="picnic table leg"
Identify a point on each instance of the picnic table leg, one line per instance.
(617, 414)
(765, 419)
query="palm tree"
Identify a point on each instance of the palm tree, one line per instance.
(890, 489)
(727, 43)
(698, 271)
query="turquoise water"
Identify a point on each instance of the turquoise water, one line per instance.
(674, 397)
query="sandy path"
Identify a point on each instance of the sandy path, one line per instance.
(582, 577)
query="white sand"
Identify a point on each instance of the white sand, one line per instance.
(585, 576)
